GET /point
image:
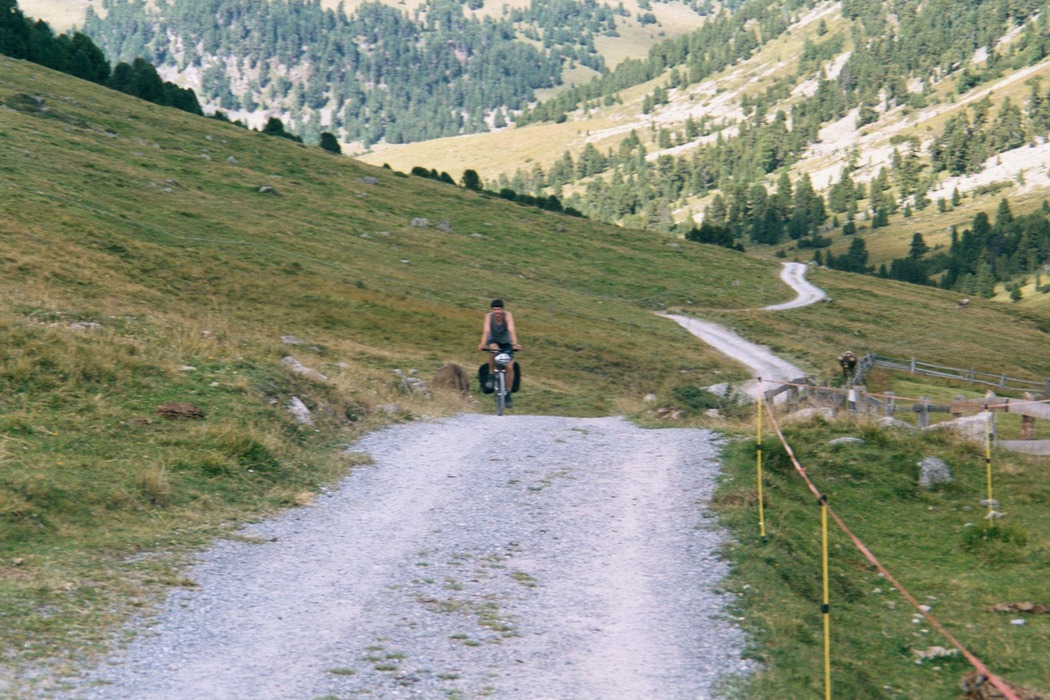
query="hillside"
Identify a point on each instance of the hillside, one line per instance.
(377, 71)
(808, 104)
(150, 256)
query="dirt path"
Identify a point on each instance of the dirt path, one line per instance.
(516, 557)
(758, 358)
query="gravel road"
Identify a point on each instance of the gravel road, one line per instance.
(515, 557)
(758, 358)
(794, 275)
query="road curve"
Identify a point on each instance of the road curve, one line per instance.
(758, 358)
(794, 275)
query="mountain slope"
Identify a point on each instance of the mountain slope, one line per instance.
(151, 257)
(811, 104)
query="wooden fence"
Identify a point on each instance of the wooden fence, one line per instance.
(972, 376)
(855, 399)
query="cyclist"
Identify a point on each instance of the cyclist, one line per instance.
(499, 333)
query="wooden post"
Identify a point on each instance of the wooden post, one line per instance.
(1002, 382)
(1027, 422)
(924, 415)
(891, 403)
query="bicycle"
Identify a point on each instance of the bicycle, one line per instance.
(501, 360)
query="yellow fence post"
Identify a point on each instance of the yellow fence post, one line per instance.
(825, 608)
(761, 512)
(988, 458)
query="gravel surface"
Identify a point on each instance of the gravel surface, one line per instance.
(515, 557)
(794, 275)
(758, 358)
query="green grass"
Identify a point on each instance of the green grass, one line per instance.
(147, 227)
(934, 543)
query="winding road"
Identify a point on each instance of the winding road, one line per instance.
(759, 359)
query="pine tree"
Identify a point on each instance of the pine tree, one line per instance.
(471, 180)
(330, 143)
(14, 30)
(918, 247)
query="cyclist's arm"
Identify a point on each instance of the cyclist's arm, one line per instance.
(485, 330)
(513, 331)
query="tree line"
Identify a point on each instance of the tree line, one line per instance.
(77, 55)
(378, 73)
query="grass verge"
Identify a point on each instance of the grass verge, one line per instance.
(936, 543)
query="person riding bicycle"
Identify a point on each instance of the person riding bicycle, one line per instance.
(499, 333)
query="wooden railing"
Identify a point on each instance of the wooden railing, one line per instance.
(972, 376)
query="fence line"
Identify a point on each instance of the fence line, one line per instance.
(1007, 692)
(856, 399)
(973, 376)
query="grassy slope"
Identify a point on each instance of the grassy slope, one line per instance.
(150, 223)
(930, 541)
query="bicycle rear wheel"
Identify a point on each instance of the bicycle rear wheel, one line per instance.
(501, 392)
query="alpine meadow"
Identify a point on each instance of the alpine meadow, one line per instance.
(231, 249)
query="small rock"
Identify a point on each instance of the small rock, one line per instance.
(649, 398)
(932, 471)
(808, 414)
(891, 422)
(303, 371)
(368, 180)
(299, 410)
(180, 410)
(419, 222)
(847, 441)
(292, 340)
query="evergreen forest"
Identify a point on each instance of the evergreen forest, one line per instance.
(377, 73)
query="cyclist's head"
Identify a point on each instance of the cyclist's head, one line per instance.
(496, 304)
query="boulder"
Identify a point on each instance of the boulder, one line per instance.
(933, 471)
(973, 427)
(452, 376)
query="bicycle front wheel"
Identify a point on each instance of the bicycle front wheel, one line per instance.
(501, 393)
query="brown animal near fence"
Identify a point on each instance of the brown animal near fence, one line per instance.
(848, 362)
(452, 376)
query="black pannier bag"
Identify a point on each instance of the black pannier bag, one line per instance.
(483, 375)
